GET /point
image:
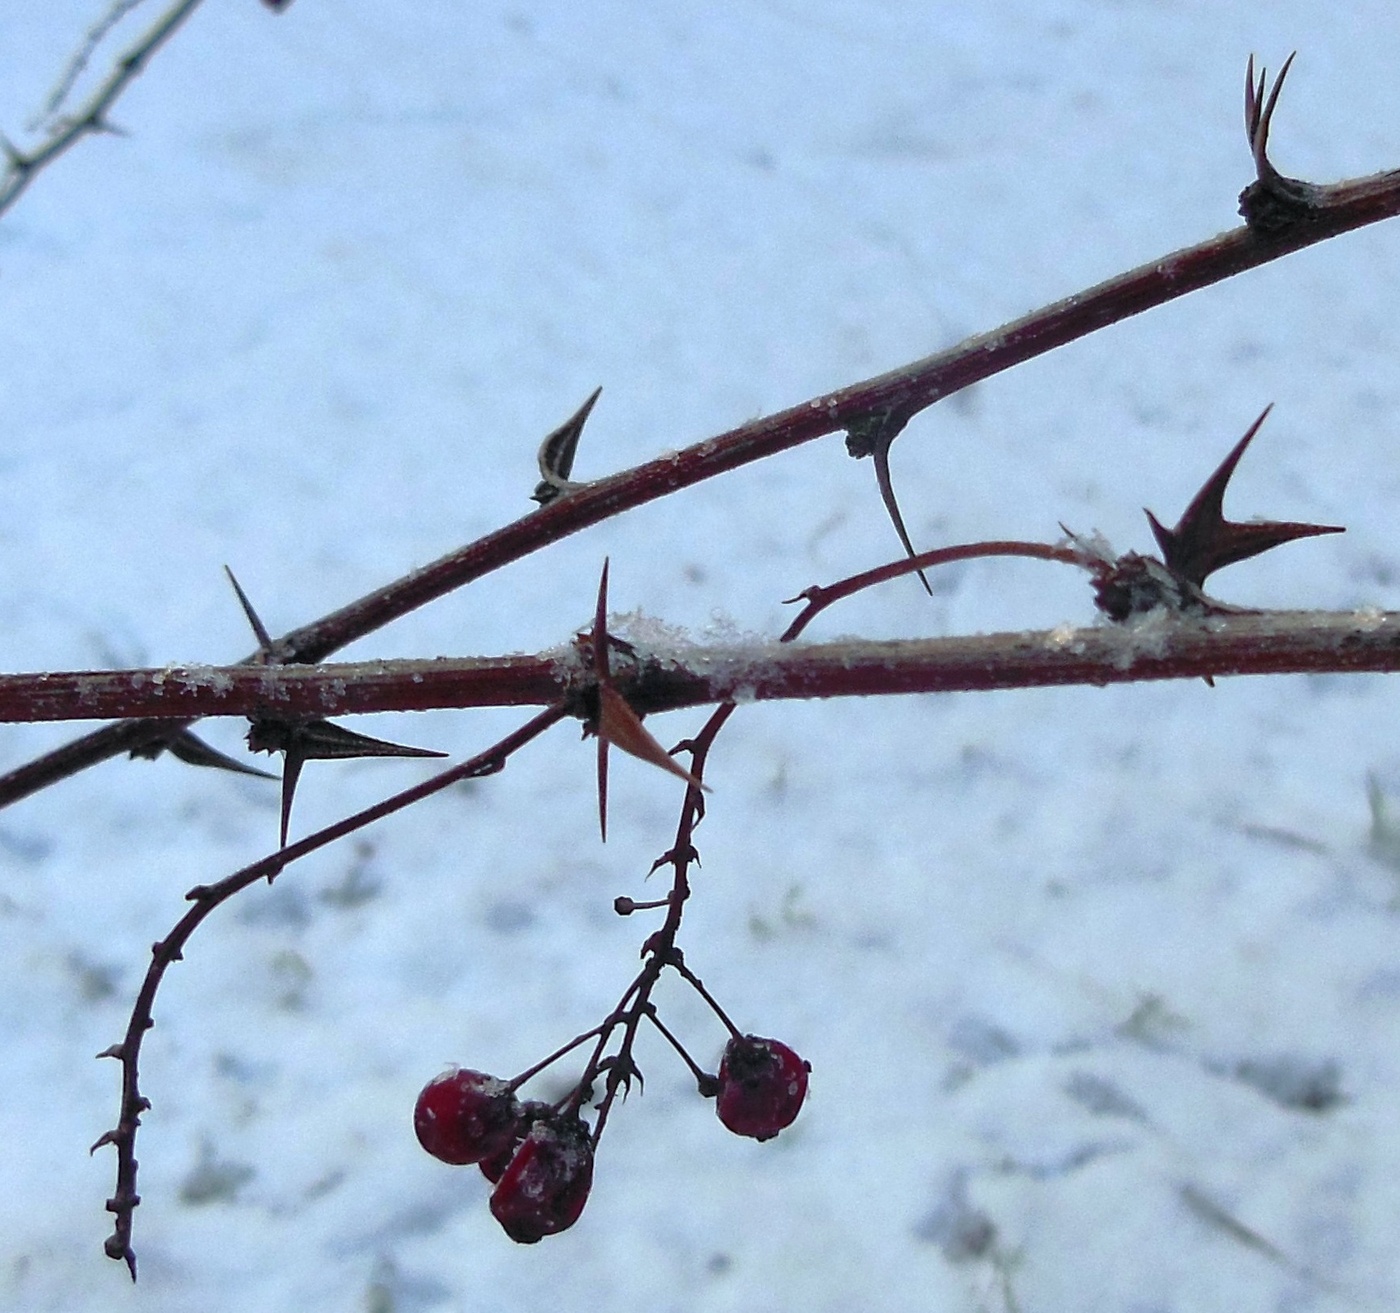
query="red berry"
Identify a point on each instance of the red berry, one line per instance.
(545, 1187)
(761, 1086)
(464, 1116)
(493, 1168)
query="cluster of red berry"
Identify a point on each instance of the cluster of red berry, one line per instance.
(539, 1156)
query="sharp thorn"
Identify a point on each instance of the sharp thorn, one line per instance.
(191, 749)
(882, 478)
(602, 787)
(1204, 541)
(600, 626)
(259, 629)
(291, 773)
(324, 740)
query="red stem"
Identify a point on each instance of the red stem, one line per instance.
(1154, 648)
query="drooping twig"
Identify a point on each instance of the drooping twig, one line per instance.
(1326, 212)
(205, 899)
(660, 948)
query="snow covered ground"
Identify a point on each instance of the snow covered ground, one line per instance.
(1101, 989)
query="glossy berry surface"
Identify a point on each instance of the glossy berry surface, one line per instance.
(545, 1186)
(762, 1084)
(464, 1116)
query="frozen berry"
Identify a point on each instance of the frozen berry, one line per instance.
(464, 1116)
(761, 1086)
(545, 1187)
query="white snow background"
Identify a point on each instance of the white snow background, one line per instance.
(1100, 988)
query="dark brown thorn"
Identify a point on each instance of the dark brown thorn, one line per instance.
(557, 451)
(602, 788)
(1253, 114)
(317, 740)
(882, 477)
(1266, 118)
(259, 629)
(600, 625)
(291, 773)
(601, 673)
(1259, 113)
(873, 436)
(1271, 204)
(674, 857)
(1204, 541)
(324, 740)
(193, 751)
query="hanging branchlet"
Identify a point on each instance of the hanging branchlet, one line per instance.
(204, 899)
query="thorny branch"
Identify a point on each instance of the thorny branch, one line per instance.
(1154, 647)
(1147, 599)
(205, 898)
(1279, 219)
(1162, 627)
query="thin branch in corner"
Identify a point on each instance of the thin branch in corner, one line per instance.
(92, 116)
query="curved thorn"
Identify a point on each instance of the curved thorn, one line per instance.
(1259, 113)
(881, 456)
